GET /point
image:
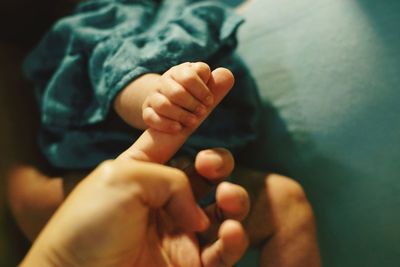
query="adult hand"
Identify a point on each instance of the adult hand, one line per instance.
(131, 213)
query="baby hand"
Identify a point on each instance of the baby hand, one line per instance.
(181, 98)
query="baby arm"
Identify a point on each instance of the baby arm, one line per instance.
(166, 102)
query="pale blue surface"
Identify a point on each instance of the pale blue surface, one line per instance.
(329, 74)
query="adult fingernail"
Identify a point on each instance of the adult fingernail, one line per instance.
(216, 160)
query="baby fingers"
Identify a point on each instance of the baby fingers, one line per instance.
(160, 123)
(165, 108)
(190, 76)
(179, 96)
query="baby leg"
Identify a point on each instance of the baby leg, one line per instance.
(34, 197)
(281, 222)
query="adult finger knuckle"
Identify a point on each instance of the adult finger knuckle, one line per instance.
(181, 178)
(106, 166)
(106, 169)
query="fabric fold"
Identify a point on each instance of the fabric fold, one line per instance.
(88, 57)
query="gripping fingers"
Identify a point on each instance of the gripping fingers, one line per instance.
(203, 70)
(189, 75)
(160, 123)
(178, 95)
(165, 108)
(147, 147)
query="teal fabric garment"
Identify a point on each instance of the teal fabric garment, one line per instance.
(89, 56)
(329, 76)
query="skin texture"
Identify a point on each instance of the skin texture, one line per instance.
(144, 214)
(281, 222)
(220, 80)
(132, 213)
(168, 102)
(34, 197)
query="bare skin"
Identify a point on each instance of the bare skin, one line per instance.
(34, 197)
(281, 222)
(224, 252)
(134, 213)
(168, 102)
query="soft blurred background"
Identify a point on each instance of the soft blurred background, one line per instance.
(22, 23)
(329, 75)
